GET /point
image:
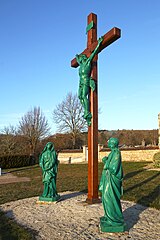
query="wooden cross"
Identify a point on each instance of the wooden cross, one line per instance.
(108, 38)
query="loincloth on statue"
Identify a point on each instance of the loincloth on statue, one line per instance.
(88, 83)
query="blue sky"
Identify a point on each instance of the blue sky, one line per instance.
(39, 38)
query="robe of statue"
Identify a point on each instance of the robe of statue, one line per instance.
(49, 164)
(111, 187)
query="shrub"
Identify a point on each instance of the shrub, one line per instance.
(15, 161)
(156, 159)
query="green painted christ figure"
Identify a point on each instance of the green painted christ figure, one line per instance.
(86, 82)
(49, 163)
(111, 188)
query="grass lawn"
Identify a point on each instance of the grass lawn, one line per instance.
(140, 186)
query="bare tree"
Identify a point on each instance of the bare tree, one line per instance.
(8, 140)
(68, 117)
(9, 130)
(34, 127)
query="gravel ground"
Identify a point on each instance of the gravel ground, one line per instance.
(71, 218)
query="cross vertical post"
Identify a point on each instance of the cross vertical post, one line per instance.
(92, 42)
(93, 129)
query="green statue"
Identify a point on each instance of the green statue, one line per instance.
(111, 188)
(86, 82)
(49, 163)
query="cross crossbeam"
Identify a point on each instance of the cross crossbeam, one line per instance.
(108, 39)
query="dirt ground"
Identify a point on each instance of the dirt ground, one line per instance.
(10, 178)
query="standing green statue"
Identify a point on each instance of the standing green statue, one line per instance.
(49, 163)
(86, 82)
(111, 188)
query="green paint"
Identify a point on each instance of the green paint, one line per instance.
(49, 163)
(111, 188)
(86, 82)
(47, 199)
(104, 227)
(90, 25)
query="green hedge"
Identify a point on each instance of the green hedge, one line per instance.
(16, 161)
(156, 159)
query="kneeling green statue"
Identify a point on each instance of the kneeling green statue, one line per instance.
(111, 188)
(49, 163)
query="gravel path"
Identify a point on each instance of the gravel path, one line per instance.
(10, 178)
(71, 218)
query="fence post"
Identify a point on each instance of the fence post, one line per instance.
(69, 160)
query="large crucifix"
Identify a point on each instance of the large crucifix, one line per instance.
(92, 43)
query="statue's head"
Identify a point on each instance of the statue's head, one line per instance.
(113, 143)
(49, 146)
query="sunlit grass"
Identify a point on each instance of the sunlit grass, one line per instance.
(140, 185)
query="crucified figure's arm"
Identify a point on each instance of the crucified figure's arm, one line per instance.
(95, 50)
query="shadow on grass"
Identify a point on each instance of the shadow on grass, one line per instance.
(22, 169)
(70, 195)
(150, 198)
(141, 183)
(132, 174)
(10, 230)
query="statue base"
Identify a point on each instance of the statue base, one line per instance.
(47, 199)
(104, 227)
